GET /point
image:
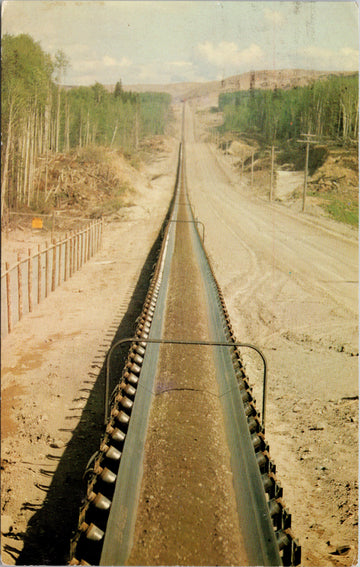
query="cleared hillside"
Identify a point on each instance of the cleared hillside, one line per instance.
(282, 79)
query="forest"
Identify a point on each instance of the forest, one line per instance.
(41, 117)
(328, 109)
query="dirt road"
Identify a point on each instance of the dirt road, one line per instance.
(290, 282)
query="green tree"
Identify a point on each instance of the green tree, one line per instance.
(326, 108)
(25, 86)
(118, 89)
(40, 116)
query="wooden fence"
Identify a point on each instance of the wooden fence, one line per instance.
(31, 279)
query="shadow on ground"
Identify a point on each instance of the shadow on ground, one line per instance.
(47, 539)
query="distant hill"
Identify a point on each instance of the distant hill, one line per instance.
(283, 79)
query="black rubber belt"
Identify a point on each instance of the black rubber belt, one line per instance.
(183, 342)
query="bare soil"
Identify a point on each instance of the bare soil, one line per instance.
(208, 92)
(52, 373)
(332, 188)
(85, 184)
(290, 282)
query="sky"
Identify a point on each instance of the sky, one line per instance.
(159, 42)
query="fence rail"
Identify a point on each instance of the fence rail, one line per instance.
(31, 279)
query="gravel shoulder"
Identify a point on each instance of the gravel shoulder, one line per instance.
(52, 378)
(290, 282)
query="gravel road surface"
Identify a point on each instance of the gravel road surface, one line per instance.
(290, 282)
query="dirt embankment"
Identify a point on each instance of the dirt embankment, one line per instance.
(333, 180)
(84, 184)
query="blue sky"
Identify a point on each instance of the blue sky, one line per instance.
(172, 41)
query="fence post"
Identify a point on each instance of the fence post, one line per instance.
(66, 256)
(52, 226)
(89, 255)
(70, 254)
(53, 271)
(82, 249)
(20, 298)
(85, 245)
(78, 250)
(88, 242)
(8, 297)
(39, 273)
(60, 254)
(73, 243)
(74, 251)
(91, 240)
(46, 268)
(30, 275)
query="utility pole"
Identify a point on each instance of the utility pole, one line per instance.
(252, 83)
(308, 139)
(272, 172)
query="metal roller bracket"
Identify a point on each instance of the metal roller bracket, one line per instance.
(182, 342)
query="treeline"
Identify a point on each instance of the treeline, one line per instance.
(327, 108)
(92, 115)
(40, 117)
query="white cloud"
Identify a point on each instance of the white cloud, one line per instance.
(107, 69)
(109, 61)
(227, 53)
(350, 57)
(345, 59)
(274, 17)
(85, 65)
(181, 64)
(80, 48)
(165, 72)
(97, 66)
(112, 62)
(125, 62)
